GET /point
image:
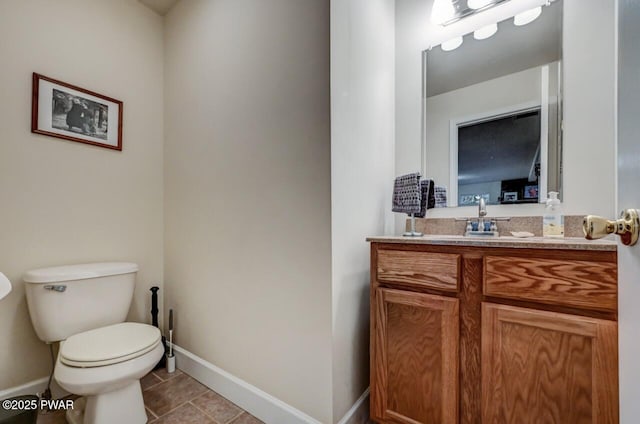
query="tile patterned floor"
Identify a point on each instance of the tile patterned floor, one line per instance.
(178, 399)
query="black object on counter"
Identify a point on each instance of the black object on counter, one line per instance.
(154, 321)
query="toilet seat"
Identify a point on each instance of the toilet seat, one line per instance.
(109, 345)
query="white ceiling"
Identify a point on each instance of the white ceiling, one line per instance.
(159, 6)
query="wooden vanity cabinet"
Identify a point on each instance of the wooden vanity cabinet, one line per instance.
(498, 335)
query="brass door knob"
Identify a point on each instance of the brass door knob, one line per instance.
(627, 227)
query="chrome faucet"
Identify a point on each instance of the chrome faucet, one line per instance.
(482, 219)
(482, 206)
(482, 212)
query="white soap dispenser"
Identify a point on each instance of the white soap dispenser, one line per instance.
(553, 220)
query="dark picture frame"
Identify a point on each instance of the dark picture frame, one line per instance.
(531, 191)
(510, 196)
(69, 112)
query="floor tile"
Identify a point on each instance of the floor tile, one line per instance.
(246, 418)
(54, 417)
(186, 414)
(149, 380)
(217, 407)
(150, 415)
(166, 396)
(177, 399)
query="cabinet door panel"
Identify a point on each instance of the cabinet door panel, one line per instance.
(414, 370)
(542, 367)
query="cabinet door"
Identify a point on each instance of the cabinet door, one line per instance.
(543, 367)
(414, 372)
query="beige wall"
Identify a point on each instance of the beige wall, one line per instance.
(589, 159)
(362, 151)
(65, 202)
(247, 192)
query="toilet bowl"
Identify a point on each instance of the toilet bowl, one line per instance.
(101, 357)
(105, 366)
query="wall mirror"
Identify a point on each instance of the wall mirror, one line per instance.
(492, 110)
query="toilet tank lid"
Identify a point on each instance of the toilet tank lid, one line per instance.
(58, 274)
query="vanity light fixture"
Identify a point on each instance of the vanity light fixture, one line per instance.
(485, 32)
(443, 11)
(527, 16)
(446, 12)
(478, 4)
(451, 44)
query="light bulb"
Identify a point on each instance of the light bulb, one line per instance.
(485, 32)
(452, 44)
(527, 16)
(442, 11)
(478, 4)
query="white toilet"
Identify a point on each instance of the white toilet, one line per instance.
(101, 357)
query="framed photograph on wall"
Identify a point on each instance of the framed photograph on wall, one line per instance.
(466, 199)
(531, 191)
(72, 113)
(510, 196)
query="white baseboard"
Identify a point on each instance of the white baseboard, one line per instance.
(359, 412)
(34, 387)
(253, 400)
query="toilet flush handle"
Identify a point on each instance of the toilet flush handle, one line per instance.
(56, 287)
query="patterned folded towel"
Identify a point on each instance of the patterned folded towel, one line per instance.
(440, 194)
(428, 200)
(407, 194)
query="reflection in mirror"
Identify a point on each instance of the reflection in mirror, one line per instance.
(513, 142)
(493, 107)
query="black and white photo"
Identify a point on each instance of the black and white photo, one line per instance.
(510, 196)
(76, 114)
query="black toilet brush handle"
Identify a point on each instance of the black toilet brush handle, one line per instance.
(170, 332)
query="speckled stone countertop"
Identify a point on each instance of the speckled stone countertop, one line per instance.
(572, 243)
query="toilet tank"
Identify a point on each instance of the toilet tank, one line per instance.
(67, 300)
